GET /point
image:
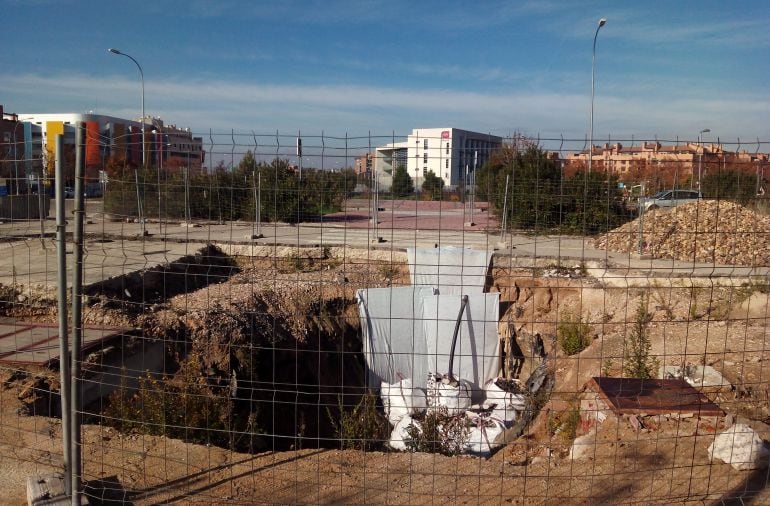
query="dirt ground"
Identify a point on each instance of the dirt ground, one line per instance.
(722, 325)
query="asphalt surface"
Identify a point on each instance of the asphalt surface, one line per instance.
(115, 248)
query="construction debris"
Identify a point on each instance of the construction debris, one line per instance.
(741, 447)
(708, 231)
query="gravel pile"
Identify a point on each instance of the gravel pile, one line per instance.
(707, 231)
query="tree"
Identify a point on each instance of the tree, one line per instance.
(402, 182)
(433, 185)
(533, 184)
(730, 184)
(638, 363)
(248, 163)
(592, 203)
(541, 197)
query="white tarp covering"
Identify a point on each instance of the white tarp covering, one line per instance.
(449, 269)
(408, 333)
(477, 355)
(393, 333)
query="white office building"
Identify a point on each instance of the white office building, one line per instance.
(450, 153)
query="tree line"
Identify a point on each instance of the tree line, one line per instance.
(541, 197)
(230, 194)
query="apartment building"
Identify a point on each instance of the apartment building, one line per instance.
(681, 160)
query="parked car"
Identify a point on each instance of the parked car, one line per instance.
(670, 198)
(69, 192)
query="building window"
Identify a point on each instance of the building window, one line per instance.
(447, 148)
(446, 165)
(425, 158)
(425, 144)
(424, 171)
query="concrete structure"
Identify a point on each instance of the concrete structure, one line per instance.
(109, 140)
(447, 152)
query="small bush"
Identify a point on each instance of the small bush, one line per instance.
(574, 334)
(8, 296)
(183, 407)
(637, 362)
(363, 427)
(292, 263)
(570, 423)
(607, 367)
(438, 433)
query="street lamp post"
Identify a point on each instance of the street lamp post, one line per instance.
(700, 158)
(141, 75)
(144, 147)
(602, 22)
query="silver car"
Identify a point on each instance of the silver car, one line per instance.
(670, 198)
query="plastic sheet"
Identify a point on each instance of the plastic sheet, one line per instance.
(399, 435)
(401, 399)
(456, 398)
(450, 270)
(393, 333)
(507, 405)
(484, 430)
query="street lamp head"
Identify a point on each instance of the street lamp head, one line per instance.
(705, 130)
(113, 50)
(602, 22)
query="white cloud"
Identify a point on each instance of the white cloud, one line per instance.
(336, 109)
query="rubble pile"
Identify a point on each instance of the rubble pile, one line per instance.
(717, 232)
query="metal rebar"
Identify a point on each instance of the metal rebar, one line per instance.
(61, 246)
(505, 209)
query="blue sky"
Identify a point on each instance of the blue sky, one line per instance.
(664, 69)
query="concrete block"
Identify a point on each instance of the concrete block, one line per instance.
(741, 447)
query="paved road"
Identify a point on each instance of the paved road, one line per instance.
(116, 248)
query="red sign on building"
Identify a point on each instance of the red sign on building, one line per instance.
(445, 134)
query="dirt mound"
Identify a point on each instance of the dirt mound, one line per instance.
(706, 231)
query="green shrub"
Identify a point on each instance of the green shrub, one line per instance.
(574, 334)
(363, 427)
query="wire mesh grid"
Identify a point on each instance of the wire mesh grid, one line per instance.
(307, 319)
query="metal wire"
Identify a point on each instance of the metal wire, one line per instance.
(231, 338)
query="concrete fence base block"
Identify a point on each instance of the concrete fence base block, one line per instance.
(48, 490)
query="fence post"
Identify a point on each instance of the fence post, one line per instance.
(77, 325)
(61, 247)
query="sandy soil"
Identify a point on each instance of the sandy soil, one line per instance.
(666, 462)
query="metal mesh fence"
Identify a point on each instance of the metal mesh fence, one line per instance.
(389, 319)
